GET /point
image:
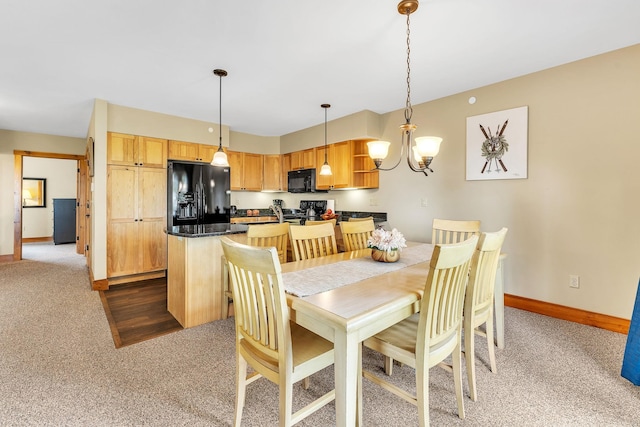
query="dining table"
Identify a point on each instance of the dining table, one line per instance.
(347, 298)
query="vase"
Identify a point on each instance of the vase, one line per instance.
(385, 256)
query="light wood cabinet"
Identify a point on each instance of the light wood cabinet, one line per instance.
(305, 159)
(191, 151)
(339, 158)
(246, 171)
(286, 167)
(364, 173)
(136, 217)
(131, 150)
(272, 172)
(194, 280)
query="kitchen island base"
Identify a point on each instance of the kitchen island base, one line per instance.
(194, 279)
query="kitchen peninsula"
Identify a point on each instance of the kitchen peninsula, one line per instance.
(194, 271)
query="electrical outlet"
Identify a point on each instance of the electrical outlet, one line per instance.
(424, 202)
(574, 281)
(373, 202)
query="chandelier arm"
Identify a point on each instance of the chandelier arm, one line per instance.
(378, 168)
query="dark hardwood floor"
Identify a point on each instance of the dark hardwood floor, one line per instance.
(138, 311)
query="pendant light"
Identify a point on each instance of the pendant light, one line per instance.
(220, 157)
(420, 155)
(326, 168)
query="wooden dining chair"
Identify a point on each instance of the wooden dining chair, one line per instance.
(478, 305)
(266, 338)
(356, 233)
(313, 241)
(427, 338)
(450, 231)
(267, 235)
(262, 235)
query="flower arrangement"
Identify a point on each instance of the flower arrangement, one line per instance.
(387, 241)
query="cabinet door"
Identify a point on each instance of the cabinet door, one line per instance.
(121, 149)
(152, 211)
(123, 254)
(235, 163)
(286, 167)
(341, 166)
(179, 150)
(272, 172)
(152, 152)
(325, 182)
(154, 245)
(152, 194)
(206, 152)
(296, 160)
(309, 158)
(252, 168)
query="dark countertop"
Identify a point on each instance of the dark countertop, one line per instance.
(205, 230)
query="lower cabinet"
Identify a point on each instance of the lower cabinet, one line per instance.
(136, 219)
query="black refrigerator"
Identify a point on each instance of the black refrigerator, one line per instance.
(198, 193)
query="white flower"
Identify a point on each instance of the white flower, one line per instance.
(386, 240)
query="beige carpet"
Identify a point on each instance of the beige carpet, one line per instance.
(58, 366)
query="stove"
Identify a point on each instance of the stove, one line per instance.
(298, 216)
(320, 206)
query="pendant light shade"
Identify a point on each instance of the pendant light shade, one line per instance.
(220, 157)
(326, 168)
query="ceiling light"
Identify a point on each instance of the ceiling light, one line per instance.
(326, 168)
(220, 157)
(420, 155)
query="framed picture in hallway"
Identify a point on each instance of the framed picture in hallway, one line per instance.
(497, 145)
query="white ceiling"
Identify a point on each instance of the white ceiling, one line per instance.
(284, 57)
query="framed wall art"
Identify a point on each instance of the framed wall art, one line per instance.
(497, 145)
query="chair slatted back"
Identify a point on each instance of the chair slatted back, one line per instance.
(313, 242)
(356, 233)
(361, 219)
(446, 231)
(444, 293)
(270, 235)
(262, 317)
(313, 222)
(482, 277)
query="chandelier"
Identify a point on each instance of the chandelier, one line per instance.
(420, 154)
(220, 157)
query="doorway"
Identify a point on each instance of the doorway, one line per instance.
(19, 201)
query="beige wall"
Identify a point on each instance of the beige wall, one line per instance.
(574, 214)
(577, 211)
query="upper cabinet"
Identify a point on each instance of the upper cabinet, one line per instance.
(191, 151)
(286, 167)
(305, 159)
(130, 150)
(272, 172)
(246, 171)
(365, 174)
(339, 158)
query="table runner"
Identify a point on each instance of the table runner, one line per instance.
(326, 277)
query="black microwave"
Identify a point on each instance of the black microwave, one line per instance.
(302, 181)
